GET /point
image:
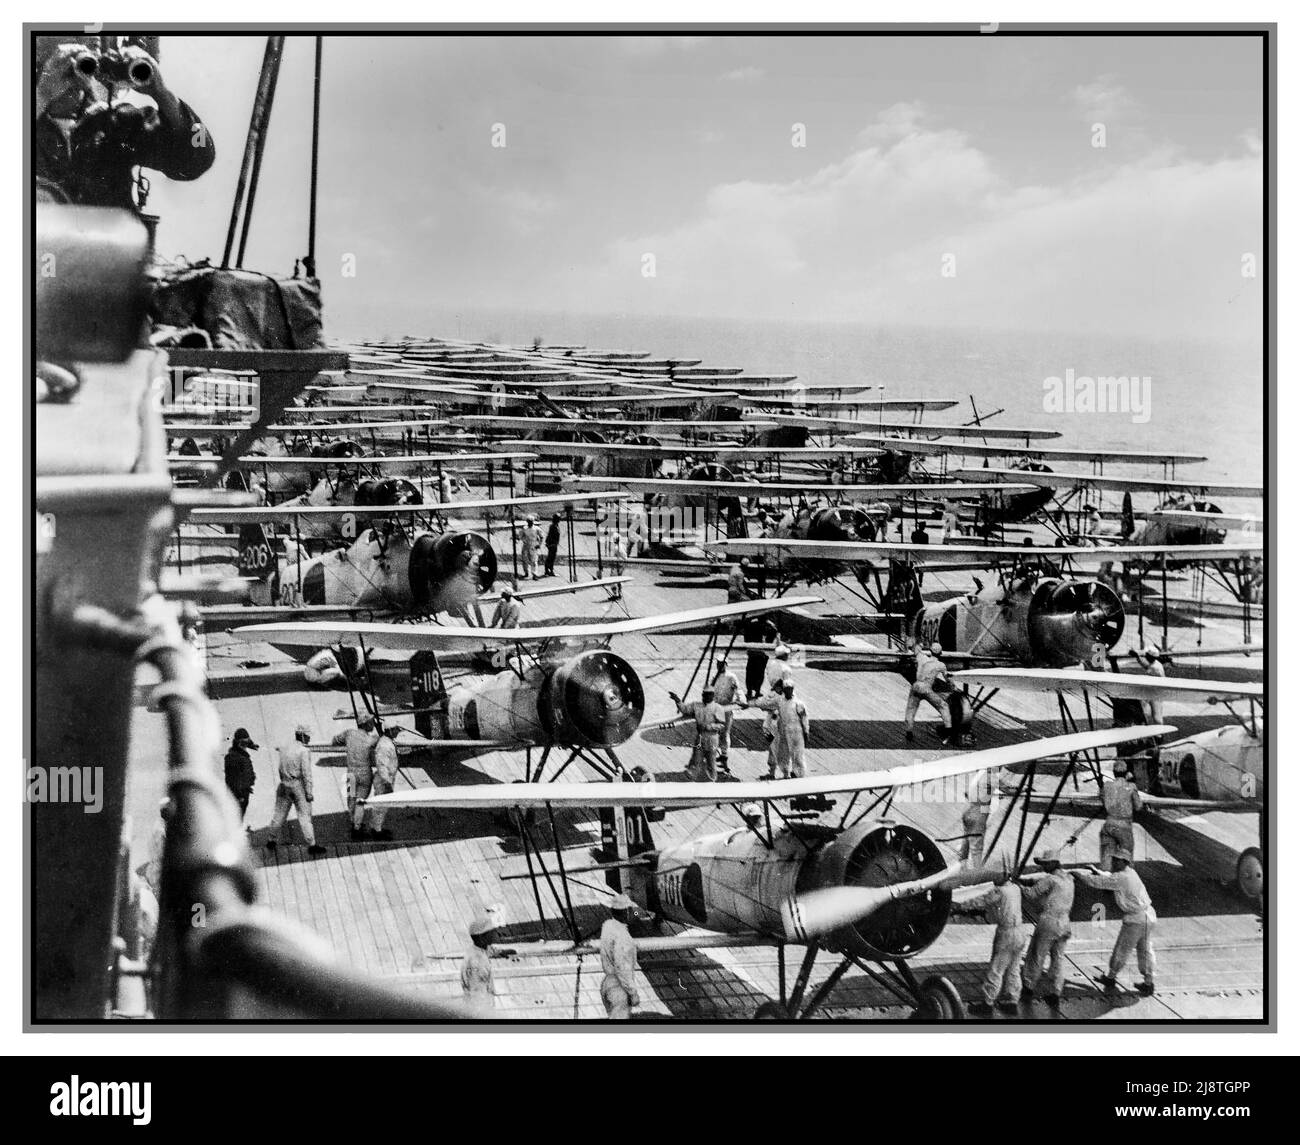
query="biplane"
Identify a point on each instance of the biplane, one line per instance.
(341, 464)
(412, 560)
(314, 437)
(1221, 767)
(717, 493)
(1034, 613)
(549, 687)
(644, 455)
(1180, 495)
(860, 885)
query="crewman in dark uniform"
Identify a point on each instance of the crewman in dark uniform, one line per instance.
(240, 773)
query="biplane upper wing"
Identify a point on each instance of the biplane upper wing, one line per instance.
(938, 555)
(252, 461)
(705, 449)
(793, 488)
(504, 795)
(909, 405)
(437, 638)
(506, 421)
(448, 509)
(1116, 685)
(1041, 453)
(339, 428)
(981, 430)
(1057, 480)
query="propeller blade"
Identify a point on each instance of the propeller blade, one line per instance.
(819, 912)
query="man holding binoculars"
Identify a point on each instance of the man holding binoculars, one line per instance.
(94, 125)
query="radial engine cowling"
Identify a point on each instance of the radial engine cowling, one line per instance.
(447, 567)
(1066, 618)
(880, 855)
(594, 699)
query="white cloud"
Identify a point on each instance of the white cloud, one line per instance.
(745, 74)
(1149, 245)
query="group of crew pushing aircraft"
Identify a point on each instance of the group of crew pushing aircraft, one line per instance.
(389, 514)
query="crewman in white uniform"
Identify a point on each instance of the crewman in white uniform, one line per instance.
(385, 776)
(1137, 930)
(951, 521)
(728, 695)
(617, 561)
(618, 961)
(790, 717)
(975, 818)
(530, 547)
(1002, 984)
(507, 610)
(295, 790)
(930, 670)
(1122, 801)
(779, 670)
(1152, 665)
(710, 720)
(359, 745)
(776, 675)
(476, 970)
(1053, 898)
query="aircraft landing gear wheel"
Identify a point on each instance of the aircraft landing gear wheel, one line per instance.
(940, 1002)
(772, 1012)
(1250, 874)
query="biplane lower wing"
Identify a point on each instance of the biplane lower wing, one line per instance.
(682, 795)
(688, 940)
(1111, 685)
(1058, 480)
(220, 616)
(291, 461)
(475, 745)
(415, 638)
(1203, 517)
(1014, 449)
(944, 555)
(1092, 804)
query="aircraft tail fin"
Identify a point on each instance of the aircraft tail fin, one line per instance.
(256, 558)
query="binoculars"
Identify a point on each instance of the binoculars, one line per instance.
(113, 67)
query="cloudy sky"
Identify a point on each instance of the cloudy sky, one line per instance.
(974, 154)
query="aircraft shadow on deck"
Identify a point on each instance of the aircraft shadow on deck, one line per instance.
(834, 734)
(1205, 866)
(423, 827)
(1173, 894)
